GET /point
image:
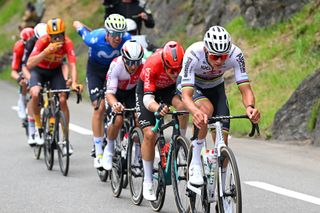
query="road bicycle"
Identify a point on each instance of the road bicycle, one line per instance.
(55, 130)
(119, 173)
(221, 176)
(171, 168)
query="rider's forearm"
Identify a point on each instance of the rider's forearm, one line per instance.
(26, 72)
(248, 98)
(14, 74)
(111, 99)
(74, 74)
(34, 60)
(188, 102)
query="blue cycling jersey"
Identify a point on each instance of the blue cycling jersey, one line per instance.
(100, 51)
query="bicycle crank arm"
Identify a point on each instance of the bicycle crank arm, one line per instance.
(195, 189)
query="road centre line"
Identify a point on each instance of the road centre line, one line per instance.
(285, 192)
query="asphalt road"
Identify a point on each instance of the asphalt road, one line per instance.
(275, 177)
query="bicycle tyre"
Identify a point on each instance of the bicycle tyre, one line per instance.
(37, 151)
(196, 202)
(160, 189)
(232, 191)
(126, 127)
(179, 167)
(48, 149)
(103, 175)
(62, 143)
(135, 167)
(117, 170)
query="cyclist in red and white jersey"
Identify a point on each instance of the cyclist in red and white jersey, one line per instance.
(156, 90)
(45, 62)
(202, 85)
(16, 73)
(122, 79)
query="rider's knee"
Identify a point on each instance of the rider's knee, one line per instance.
(149, 136)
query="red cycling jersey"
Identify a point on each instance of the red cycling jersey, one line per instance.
(54, 60)
(18, 50)
(154, 75)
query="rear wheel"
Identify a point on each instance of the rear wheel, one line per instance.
(230, 200)
(179, 173)
(134, 165)
(62, 140)
(48, 146)
(117, 170)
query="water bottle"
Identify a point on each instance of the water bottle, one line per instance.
(164, 154)
(211, 161)
(124, 144)
(51, 124)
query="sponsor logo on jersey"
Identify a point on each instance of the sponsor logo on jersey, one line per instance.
(240, 60)
(186, 67)
(103, 54)
(195, 55)
(205, 67)
(147, 77)
(93, 40)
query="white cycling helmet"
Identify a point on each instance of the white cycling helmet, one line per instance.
(132, 50)
(131, 24)
(217, 40)
(40, 30)
(115, 23)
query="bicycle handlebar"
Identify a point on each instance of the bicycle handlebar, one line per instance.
(56, 91)
(159, 118)
(115, 114)
(255, 127)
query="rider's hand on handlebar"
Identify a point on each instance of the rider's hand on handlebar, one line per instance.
(253, 114)
(200, 118)
(163, 109)
(77, 87)
(117, 107)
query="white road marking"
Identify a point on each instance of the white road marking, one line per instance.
(79, 129)
(72, 127)
(285, 192)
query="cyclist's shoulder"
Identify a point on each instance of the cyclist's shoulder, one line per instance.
(235, 53)
(18, 45)
(195, 50)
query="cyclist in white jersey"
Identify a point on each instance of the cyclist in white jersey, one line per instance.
(201, 85)
(122, 78)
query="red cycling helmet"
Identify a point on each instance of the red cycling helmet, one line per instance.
(172, 55)
(26, 33)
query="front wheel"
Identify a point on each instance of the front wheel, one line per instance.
(160, 186)
(48, 147)
(230, 200)
(117, 171)
(134, 165)
(62, 140)
(179, 173)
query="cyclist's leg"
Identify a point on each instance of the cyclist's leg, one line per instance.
(146, 122)
(178, 104)
(195, 169)
(218, 98)
(37, 78)
(95, 80)
(58, 82)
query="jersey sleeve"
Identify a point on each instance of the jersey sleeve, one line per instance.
(187, 72)
(89, 37)
(149, 80)
(241, 76)
(112, 78)
(40, 45)
(70, 51)
(17, 56)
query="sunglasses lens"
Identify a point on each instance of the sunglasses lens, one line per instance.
(115, 34)
(57, 36)
(131, 63)
(216, 57)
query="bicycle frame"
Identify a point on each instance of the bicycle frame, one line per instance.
(160, 127)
